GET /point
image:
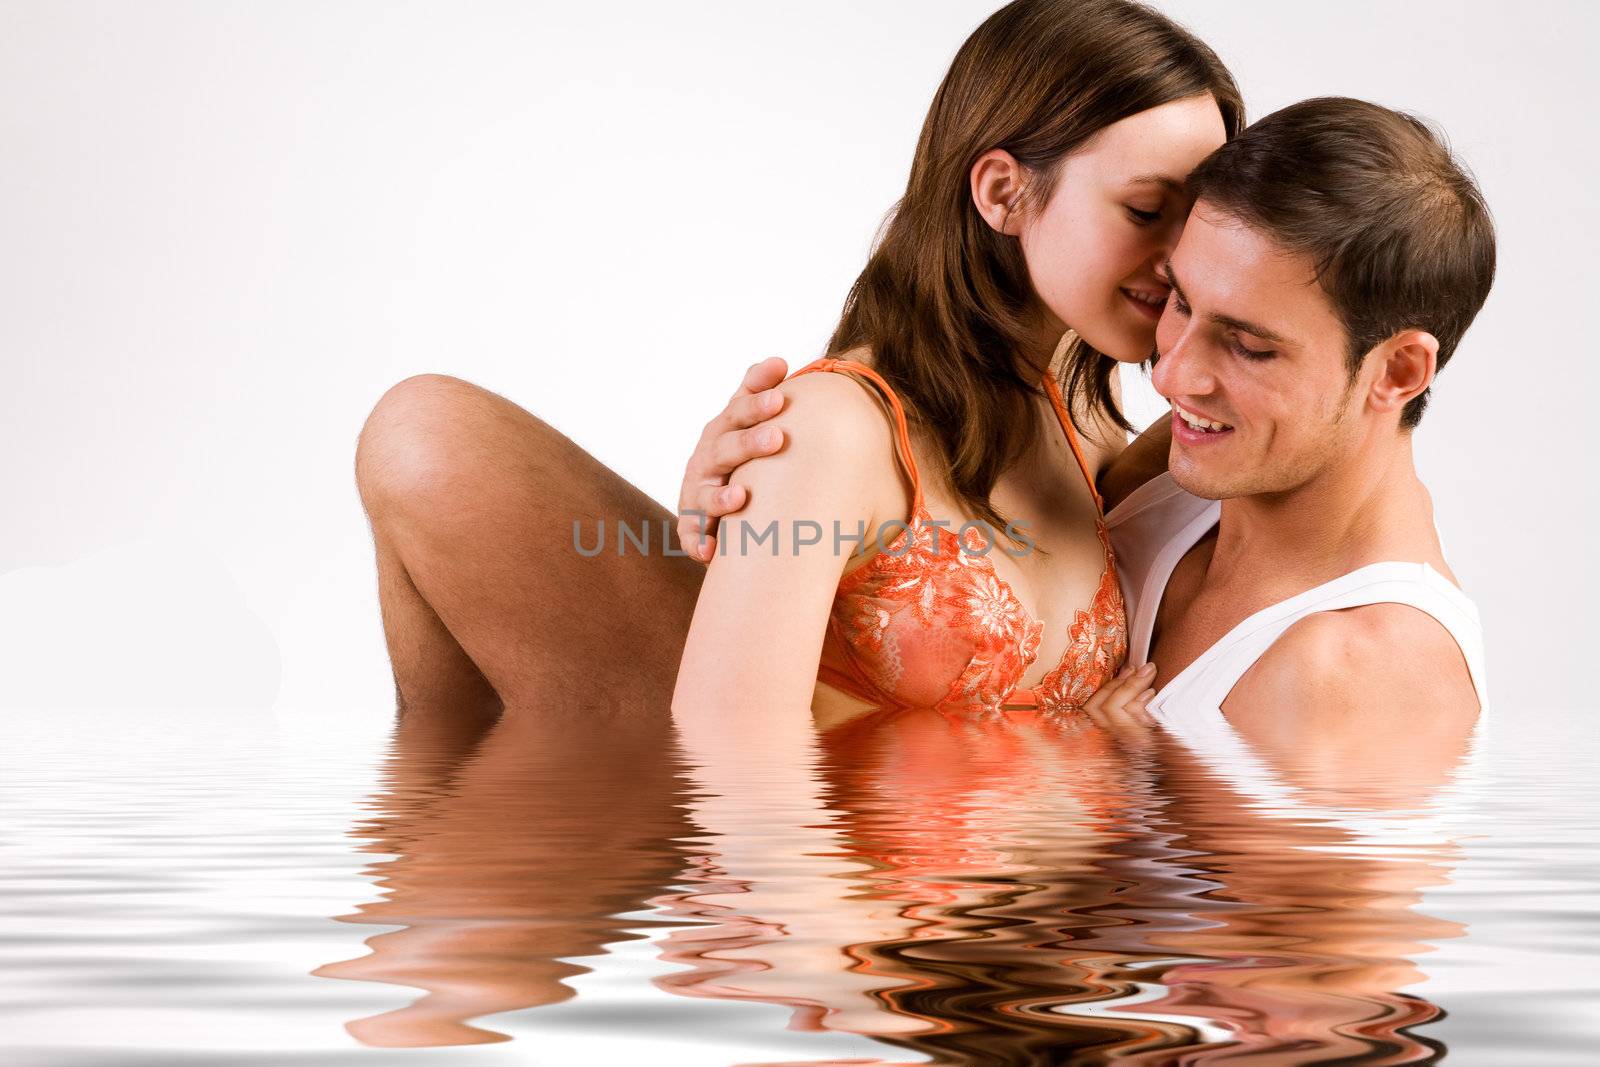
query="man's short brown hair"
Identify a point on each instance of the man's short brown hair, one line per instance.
(1399, 233)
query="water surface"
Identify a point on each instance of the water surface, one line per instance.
(189, 890)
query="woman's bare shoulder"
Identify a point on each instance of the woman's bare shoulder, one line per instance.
(835, 429)
(837, 404)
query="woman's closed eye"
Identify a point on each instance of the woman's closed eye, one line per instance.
(1142, 217)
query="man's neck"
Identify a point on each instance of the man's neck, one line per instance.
(1368, 507)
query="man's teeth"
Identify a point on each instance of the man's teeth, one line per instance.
(1197, 423)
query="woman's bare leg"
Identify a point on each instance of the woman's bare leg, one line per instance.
(487, 604)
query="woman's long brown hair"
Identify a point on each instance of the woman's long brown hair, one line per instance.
(945, 303)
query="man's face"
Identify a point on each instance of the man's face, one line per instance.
(1249, 340)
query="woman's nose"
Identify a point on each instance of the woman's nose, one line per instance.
(1166, 237)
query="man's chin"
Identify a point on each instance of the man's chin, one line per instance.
(1196, 483)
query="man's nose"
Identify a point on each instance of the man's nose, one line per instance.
(1183, 368)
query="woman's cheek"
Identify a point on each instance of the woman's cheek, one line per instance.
(1073, 293)
(1135, 249)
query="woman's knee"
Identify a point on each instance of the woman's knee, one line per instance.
(429, 437)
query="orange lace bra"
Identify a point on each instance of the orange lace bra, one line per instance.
(924, 624)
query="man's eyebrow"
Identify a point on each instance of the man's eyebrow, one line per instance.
(1243, 325)
(1158, 179)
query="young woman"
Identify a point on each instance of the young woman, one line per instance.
(954, 406)
(1046, 191)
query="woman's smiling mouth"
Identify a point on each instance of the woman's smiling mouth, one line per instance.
(1148, 302)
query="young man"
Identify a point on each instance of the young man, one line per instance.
(1284, 578)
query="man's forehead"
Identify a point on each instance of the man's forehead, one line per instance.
(1234, 273)
(1231, 252)
(1226, 261)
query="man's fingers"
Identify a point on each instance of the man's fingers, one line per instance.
(695, 532)
(700, 515)
(745, 409)
(740, 446)
(764, 375)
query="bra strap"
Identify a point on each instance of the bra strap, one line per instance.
(1060, 405)
(902, 434)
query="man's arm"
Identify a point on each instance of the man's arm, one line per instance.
(1369, 701)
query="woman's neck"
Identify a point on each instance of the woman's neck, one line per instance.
(1047, 352)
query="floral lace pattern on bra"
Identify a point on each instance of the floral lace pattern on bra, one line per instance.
(924, 624)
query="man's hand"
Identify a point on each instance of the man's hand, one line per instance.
(1119, 706)
(728, 440)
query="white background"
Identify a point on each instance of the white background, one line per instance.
(226, 228)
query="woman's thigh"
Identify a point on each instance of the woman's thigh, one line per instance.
(496, 516)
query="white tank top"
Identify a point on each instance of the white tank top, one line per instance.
(1154, 528)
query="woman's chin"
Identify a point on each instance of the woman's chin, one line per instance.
(1124, 345)
(1137, 354)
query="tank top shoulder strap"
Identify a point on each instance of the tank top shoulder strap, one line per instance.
(1418, 585)
(901, 430)
(1065, 418)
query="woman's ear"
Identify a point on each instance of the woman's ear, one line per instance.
(1406, 365)
(998, 181)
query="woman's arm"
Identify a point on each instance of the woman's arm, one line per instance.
(742, 707)
(756, 637)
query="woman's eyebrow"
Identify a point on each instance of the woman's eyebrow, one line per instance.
(1158, 179)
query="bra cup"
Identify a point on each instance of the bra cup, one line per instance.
(923, 624)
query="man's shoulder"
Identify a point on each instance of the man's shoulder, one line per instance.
(1357, 661)
(1140, 461)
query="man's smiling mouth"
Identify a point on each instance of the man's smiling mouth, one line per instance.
(1196, 422)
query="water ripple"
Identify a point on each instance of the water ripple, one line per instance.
(928, 893)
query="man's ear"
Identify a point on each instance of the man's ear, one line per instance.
(1406, 364)
(998, 181)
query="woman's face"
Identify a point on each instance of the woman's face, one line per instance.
(1094, 249)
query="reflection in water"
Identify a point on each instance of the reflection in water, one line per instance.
(513, 848)
(1013, 892)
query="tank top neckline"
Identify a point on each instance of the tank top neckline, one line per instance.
(1205, 519)
(1367, 574)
